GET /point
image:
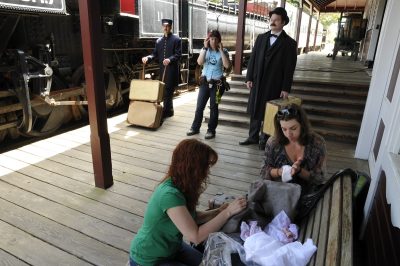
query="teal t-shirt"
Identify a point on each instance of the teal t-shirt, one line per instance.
(213, 67)
(158, 238)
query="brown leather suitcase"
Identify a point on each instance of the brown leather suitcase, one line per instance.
(272, 107)
(146, 90)
(145, 114)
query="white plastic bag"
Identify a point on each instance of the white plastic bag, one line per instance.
(264, 250)
(218, 250)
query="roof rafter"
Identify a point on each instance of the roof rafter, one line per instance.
(336, 5)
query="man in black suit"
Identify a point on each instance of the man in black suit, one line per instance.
(269, 72)
(168, 53)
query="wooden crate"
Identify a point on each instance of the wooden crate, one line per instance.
(271, 108)
(145, 114)
(146, 90)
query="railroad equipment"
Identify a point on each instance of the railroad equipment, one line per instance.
(42, 84)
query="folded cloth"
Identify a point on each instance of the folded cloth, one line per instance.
(247, 230)
(286, 176)
(282, 229)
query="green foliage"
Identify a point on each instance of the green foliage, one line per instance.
(328, 19)
(216, 1)
(295, 3)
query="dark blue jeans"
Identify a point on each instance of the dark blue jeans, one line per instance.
(186, 256)
(206, 93)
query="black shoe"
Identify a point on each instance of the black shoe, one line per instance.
(168, 114)
(248, 142)
(209, 135)
(192, 132)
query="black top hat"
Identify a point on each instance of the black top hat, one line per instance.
(282, 12)
(166, 21)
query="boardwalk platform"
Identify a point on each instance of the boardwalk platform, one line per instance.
(51, 213)
(316, 67)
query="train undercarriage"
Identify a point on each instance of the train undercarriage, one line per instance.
(42, 84)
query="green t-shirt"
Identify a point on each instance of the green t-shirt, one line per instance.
(158, 238)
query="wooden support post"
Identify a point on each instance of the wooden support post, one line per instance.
(240, 37)
(298, 27)
(316, 32)
(89, 12)
(307, 49)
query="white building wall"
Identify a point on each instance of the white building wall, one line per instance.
(379, 108)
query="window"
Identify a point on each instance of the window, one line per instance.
(378, 139)
(393, 78)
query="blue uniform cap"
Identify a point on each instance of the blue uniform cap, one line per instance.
(166, 21)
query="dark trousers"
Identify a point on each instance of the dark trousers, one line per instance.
(168, 103)
(254, 131)
(206, 93)
(186, 256)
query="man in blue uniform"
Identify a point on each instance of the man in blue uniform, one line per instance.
(168, 53)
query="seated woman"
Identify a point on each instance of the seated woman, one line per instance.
(171, 210)
(295, 145)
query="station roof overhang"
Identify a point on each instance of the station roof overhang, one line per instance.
(325, 6)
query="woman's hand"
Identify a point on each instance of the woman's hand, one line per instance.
(236, 206)
(296, 167)
(223, 207)
(221, 47)
(206, 42)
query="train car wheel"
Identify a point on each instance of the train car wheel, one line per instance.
(3, 133)
(42, 126)
(47, 119)
(113, 94)
(78, 79)
(12, 132)
(3, 120)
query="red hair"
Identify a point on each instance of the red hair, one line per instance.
(189, 169)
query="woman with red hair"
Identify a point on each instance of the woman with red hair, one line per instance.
(171, 211)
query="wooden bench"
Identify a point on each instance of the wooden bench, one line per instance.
(330, 226)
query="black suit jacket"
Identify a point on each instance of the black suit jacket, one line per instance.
(271, 71)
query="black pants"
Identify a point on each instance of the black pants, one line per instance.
(168, 103)
(254, 131)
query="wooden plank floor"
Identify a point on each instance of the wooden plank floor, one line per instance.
(51, 213)
(316, 67)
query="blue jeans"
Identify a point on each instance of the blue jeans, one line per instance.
(204, 94)
(185, 256)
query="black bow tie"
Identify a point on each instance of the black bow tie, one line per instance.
(273, 35)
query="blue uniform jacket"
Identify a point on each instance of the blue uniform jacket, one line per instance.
(168, 47)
